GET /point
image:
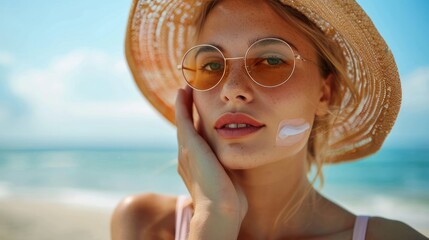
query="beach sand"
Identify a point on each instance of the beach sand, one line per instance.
(24, 219)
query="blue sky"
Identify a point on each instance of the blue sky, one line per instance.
(64, 82)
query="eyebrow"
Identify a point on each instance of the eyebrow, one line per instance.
(206, 49)
(253, 40)
(209, 48)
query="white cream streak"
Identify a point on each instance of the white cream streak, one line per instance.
(289, 130)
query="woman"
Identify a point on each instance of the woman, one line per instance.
(274, 87)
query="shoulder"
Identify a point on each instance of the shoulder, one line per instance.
(382, 228)
(144, 216)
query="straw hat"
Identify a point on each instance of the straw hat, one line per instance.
(158, 33)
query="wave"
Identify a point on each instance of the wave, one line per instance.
(69, 196)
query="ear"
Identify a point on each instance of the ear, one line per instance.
(325, 95)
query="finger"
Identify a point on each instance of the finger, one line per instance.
(180, 115)
(189, 98)
(183, 105)
(183, 115)
(185, 128)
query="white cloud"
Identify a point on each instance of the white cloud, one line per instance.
(80, 84)
(83, 95)
(416, 90)
(6, 58)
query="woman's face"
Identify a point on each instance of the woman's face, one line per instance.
(234, 26)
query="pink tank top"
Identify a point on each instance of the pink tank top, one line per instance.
(184, 215)
(183, 218)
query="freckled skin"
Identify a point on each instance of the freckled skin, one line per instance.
(297, 98)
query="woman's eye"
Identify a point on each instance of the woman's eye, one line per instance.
(213, 66)
(273, 61)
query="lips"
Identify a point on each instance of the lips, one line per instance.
(236, 125)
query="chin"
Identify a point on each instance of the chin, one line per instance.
(238, 162)
(239, 157)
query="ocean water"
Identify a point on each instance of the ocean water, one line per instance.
(392, 183)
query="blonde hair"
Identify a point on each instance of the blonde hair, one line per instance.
(331, 61)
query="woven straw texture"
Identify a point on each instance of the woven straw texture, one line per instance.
(159, 32)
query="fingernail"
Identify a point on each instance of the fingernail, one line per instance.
(188, 90)
(180, 90)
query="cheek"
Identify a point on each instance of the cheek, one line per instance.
(292, 131)
(299, 96)
(295, 106)
(202, 104)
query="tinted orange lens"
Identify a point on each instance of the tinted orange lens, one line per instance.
(203, 67)
(270, 62)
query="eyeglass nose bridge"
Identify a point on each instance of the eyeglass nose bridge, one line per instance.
(227, 67)
(296, 56)
(234, 58)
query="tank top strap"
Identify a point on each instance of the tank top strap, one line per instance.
(183, 218)
(359, 230)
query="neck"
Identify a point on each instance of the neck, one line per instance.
(274, 191)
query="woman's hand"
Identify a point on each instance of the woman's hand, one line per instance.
(219, 205)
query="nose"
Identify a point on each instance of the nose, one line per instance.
(236, 85)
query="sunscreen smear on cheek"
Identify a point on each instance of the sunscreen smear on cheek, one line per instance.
(291, 131)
